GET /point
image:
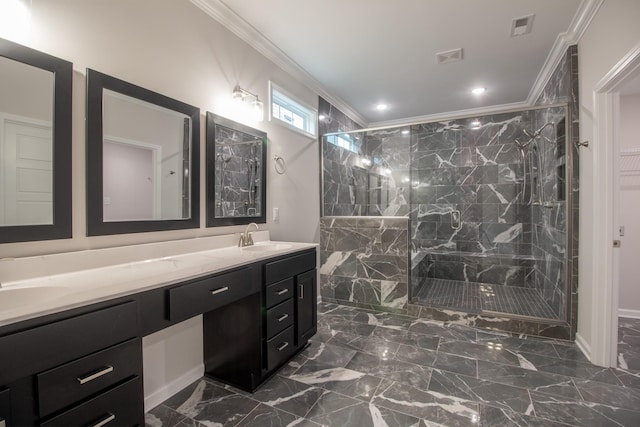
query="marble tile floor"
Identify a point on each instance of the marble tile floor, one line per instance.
(629, 344)
(482, 297)
(376, 369)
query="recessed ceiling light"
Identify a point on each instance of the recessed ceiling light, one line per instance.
(381, 106)
(478, 90)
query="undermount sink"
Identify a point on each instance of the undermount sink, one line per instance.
(14, 298)
(267, 247)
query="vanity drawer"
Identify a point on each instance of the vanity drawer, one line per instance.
(44, 347)
(279, 348)
(74, 381)
(278, 292)
(208, 294)
(279, 318)
(279, 270)
(120, 406)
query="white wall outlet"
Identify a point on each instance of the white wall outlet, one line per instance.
(621, 230)
(276, 215)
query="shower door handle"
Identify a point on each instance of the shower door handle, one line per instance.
(456, 220)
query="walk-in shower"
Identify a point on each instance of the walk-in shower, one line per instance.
(486, 201)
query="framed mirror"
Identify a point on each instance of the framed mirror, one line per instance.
(142, 159)
(35, 145)
(236, 173)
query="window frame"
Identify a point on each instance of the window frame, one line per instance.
(311, 114)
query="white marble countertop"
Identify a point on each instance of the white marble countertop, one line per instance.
(30, 297)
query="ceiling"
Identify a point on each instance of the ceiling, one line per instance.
(358, 53)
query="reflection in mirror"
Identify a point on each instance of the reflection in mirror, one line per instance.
(35, 145)
(143, 159)
(236, 173)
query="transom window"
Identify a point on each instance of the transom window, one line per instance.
(292, 113)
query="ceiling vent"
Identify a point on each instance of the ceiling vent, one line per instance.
(521, 26)
(453, 55)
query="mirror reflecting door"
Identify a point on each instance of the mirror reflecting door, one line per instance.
(35, 145)
(142, 152)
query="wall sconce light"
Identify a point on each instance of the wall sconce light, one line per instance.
(15, 20)
(240, 95)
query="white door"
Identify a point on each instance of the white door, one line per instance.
(26, 190)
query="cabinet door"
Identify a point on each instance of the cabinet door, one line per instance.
(306, 307)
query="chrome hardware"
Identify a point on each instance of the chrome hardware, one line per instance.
(220, 290)
(281, 318)
(282, 346)
(282, 291)
(617, 243)
(456, 220)
(95, 375)
(582, 144)
(105, 421)
(301, 291)
(245, 238)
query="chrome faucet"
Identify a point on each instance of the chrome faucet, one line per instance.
(245, 238)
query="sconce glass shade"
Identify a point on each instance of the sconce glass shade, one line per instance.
(258, 109)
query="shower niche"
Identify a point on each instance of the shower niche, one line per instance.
(236, 173)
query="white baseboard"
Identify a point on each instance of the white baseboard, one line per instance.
(583, 346)
(633, 314)
(158, 396)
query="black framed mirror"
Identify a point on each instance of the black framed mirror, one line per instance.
(236, 173)
(142, 159)
(35, 145)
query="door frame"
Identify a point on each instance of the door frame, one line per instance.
(605, 146)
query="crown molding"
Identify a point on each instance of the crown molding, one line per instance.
(581, 20)
(222, 13)
(238, 26)
(451, 115)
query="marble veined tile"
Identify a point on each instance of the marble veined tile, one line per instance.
(435, 359)
(443, 330)
(582, 413)
(488, 392)
(292, 396)
(365, 344)
(543, 382)
(484, 351)
(264, 415)
(408, 338)
(341, 380)
(208, 403)
(628, 378)
(607, 394)
(327, 353)
(337, 410)
(491, 416)
(388, 368)
(436, 408)
(163, 416)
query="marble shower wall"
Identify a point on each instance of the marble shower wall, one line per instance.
(237, 169)
(364, 262)
(473, 169)
(366, 174)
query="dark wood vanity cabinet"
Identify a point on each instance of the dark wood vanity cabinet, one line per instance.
(81, 367)
(290, 307)
(247, 341)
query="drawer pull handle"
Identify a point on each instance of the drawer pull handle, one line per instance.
(301, 287)
(282, 346)
(220, 290)
(282, 291)
(95, 375)
(281, 318)
(105, 421)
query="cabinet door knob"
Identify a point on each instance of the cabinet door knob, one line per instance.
(95, 375)
(106, 420)
(220, 290)
(281, 318)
